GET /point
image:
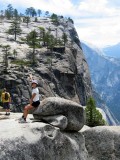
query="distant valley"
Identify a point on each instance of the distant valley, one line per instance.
(105, 75)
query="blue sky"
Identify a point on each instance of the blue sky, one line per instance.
(96, 21)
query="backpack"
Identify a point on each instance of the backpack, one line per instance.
(6, 96)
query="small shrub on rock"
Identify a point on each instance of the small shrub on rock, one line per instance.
(93, 116)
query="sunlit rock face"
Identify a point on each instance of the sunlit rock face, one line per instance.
(67, 76)
(38, 141)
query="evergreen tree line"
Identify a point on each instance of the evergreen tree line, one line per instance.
(34, 39)
(11, 13)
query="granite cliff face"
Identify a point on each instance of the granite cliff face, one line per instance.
(68, 77)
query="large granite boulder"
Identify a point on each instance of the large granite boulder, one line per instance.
(38, 141)
(62, 113)
(103, 143)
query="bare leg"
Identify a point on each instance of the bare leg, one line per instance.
(7, 110)
(26, 110)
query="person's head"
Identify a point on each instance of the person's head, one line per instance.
(4, 90)
(34, 83)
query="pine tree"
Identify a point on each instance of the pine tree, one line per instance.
(5, 50)
(30, 12)
(64, 38)
(42, 34)
(93, 116)
(26, 20)
(39, 12)
(27, 12)
(14, 53)
(15, 28)
(15, 14)
(54, 18)
(51, 42)
(33, 42)
(1, 15)
(70, 20)
(9, 12)
(46, 13)
(36, 19)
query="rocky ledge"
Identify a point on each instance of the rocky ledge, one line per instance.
(103, 143)
(38, 141)
(55, 134)
(42, 141)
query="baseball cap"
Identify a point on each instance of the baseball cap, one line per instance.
(34, 81)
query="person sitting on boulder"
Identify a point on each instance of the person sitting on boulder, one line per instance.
(6, 99)
(34, 101)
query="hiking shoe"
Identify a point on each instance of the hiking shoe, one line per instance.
(19, 119)
(22, 120)
(8, 114)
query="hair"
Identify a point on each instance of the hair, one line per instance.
(6, 96)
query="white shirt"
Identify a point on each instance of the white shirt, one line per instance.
(36, 91)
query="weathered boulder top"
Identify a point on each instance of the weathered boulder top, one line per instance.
(41, 141)
(62, 113)
(38, 141)
(61, 101)
(9, 126)
(103, 142)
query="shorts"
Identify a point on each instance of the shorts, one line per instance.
(36, 104)
(6, 105)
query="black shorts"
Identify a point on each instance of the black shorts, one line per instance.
(36, 104)
(6, 105)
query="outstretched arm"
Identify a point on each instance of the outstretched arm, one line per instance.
(30, 77)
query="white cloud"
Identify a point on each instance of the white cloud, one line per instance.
(101, 32)
(103, 25)
(96, 8)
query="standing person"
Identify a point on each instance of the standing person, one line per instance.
(34, 101)
(6, 99)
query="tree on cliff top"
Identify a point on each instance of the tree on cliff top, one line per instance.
(15, 28)
(30, 12)
(9, 11)
(39, 12)
(93, 116)
(33, 42)
(26, 19)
